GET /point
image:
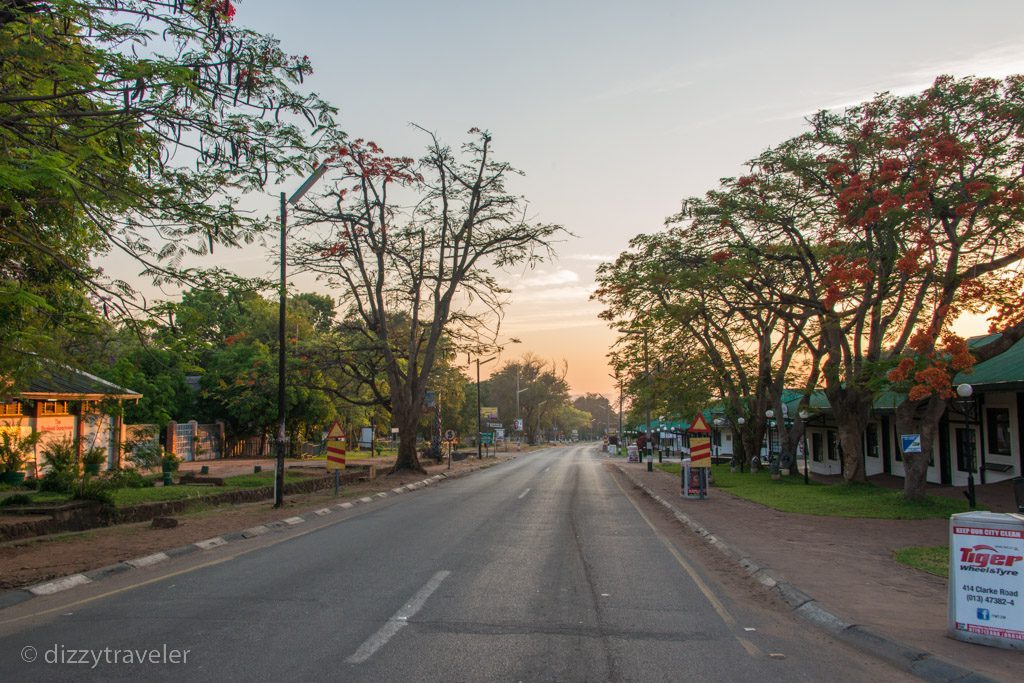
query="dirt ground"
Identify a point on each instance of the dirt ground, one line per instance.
(30, 561)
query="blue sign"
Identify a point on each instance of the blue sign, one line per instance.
(984, 614)
(911, 443)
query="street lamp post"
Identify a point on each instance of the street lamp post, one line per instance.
(770, 414)
(969, 407)
(804, 416)
(740, 421)
(479, 422)
(717, 436)
(282, 414)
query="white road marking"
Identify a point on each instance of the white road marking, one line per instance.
(523, 494)
(398, 620)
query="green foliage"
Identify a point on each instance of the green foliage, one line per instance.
(61, 457)
(170, 462)
(97, 455)
(147, 455)
(130, 126)
(931, 559)
(121, 479)
(94, 489)
(790, 494)
(16, 499)
(15, 449)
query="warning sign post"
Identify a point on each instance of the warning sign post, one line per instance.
(336, 453)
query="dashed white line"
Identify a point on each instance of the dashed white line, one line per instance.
(397, 621)
(523, 494)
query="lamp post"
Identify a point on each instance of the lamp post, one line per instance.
(804, 416)
(770, 414)
(968, 406)
(479, 422)
(741, 421)
(717, 436)
(282, 307)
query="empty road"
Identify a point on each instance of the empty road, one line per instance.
(540, 569)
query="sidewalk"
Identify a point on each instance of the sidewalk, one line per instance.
(845, 565)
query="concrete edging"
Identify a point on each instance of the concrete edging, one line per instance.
(919, 663)
(16, 596)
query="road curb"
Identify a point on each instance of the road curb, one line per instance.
(16, 596)
(920, 663)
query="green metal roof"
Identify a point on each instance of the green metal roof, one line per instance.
(998, 372)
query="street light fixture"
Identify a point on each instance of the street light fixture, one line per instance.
(307, 184)
(968, 407)
(770, 414)
(741, 421)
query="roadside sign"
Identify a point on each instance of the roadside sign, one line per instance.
(986, 579)
(699, 424)
(449, 435)
(700, 451)
(486, 438)
(519, 425)
(335, 447)
(489, 413)
(911, 443)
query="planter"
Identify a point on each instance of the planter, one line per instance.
(12, 478)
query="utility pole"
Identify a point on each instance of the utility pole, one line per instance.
(479, 422)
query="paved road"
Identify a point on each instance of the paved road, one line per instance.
(537, 569)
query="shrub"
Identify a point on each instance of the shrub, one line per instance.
(14, 450)
(61, 457)
(96, 455)
(127, 479)
(59, 482)
(16, 499)
(170, 461)
(94, 489)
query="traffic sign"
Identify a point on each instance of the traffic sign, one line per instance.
(336, 447)
(487, 438)
(449, 435)
(699, 424)
(700, 451)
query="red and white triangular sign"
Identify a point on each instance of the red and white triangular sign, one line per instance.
(699, 424)
(335, 432)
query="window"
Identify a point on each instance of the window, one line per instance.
(816, 446)
(833, 445)
(871, 442)
(998, 430)
(966, 449)
(54, 408)
(9, 409)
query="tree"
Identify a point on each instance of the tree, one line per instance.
(134, 126)
(542, 392)
(428, 260)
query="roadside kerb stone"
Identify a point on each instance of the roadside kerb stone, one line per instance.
(12, 597)
(919, 663)
(63, 584)
(148, 560)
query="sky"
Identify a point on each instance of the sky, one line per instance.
(615, 111)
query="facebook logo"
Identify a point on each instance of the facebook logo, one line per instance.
(983, 614)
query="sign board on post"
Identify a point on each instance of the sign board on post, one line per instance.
(488, 413)
(986, 579)
(335, 447)
(911, 443)
(487, 438)
(519, 425)
(700, 446)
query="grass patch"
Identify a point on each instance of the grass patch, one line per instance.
(124, 497)
(790, 494)
(933, 559)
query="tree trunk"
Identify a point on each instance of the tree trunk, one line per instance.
(405, 414)
(919, 417)
(852, 410)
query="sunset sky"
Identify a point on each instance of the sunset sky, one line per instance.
(615, 111)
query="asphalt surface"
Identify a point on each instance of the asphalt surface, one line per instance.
(542, 568)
